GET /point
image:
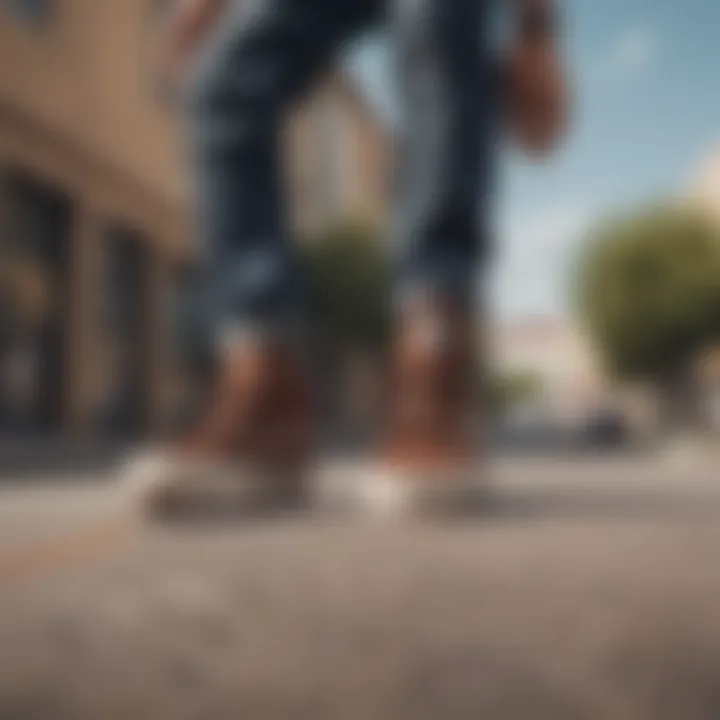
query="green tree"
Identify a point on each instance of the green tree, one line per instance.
(510, 390)
(347, 275)
(347, 281)
(648, 289)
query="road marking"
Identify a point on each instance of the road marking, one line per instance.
(75, 547)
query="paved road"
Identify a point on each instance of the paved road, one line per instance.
(586, 590)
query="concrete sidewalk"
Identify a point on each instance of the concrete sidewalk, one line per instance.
(555, 604)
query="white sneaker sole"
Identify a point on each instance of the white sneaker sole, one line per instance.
(163, 486)
(378, 491)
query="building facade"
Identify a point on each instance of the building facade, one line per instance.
(95, 203)
(705, 187)
(705, 194)
(338, 155)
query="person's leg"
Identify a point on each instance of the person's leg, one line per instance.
(447, 94)
(448, 106)
(448, 113)
(266, 53)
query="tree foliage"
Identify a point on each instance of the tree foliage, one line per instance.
(648, 289)
(513, 389)
(347, 276)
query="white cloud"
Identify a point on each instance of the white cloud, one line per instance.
(633, 52)
(535, 258)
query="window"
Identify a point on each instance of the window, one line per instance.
(33, 12)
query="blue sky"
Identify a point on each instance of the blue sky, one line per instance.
(647, 93)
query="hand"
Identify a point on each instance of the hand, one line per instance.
(536, 95)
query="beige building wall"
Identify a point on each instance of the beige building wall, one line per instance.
(85, 75)
(339, 159)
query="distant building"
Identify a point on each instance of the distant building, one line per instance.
(560, 356)
(339, 158)
(705, 187)
(93, 186)
(575, 386)
(705, 193)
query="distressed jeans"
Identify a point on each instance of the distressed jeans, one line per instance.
(267, 53)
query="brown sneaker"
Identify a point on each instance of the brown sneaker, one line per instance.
(428, 461)
(250, 450)
(432, 379)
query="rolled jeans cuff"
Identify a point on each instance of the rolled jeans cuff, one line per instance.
(458, 282)
(235, 332)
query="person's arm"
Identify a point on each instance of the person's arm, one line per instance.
(535, 90)
(538, 20)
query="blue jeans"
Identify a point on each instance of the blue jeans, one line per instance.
(264, 56)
